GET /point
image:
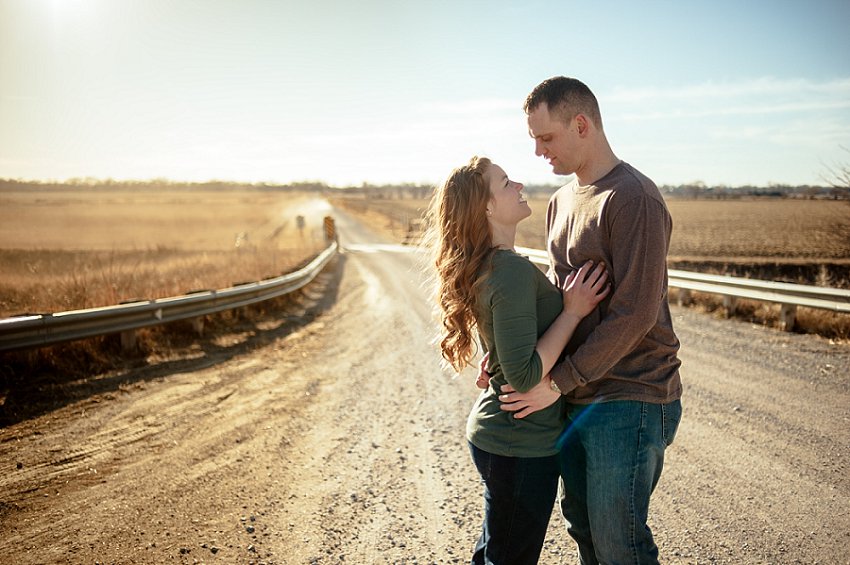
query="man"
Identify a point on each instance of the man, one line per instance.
(619, 375)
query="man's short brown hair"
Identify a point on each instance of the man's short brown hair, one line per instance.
(565, 98)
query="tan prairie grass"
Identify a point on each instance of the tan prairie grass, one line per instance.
(759, 229)
(788, 240)
(72, 249)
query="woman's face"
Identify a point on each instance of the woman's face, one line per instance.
(507, 204)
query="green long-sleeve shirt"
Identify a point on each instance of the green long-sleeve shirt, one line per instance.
(516, 306)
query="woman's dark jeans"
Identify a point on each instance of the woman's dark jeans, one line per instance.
(519, 494)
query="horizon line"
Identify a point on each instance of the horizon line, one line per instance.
(95, 181)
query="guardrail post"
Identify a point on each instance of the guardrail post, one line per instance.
(729, 303)
(198, 325)
(683, 297)
(128, 341)
(330, 229)
(788, 316)
(415, 228)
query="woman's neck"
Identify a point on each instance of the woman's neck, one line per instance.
(504, 237)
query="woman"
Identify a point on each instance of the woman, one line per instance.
(523, 323)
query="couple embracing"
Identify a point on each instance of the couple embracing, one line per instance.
(580, 376)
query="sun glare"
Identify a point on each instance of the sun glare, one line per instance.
(70, 12)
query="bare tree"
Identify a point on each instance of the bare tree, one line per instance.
(838, 176)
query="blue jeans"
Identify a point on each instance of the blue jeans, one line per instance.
(611, 461)
(519, 493)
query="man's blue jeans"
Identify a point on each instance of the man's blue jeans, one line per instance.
(611, 460)
(519, 493)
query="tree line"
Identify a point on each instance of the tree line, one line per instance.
(837, 189)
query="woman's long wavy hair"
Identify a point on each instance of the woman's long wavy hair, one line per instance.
(462, 248)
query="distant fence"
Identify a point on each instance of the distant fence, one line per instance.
(48, 329)
(789, 296)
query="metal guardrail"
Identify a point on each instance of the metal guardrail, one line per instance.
(788, 295)
(48, 329)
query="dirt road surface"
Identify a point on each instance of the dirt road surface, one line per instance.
(334, 437)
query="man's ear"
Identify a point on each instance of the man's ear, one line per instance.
(582, 125)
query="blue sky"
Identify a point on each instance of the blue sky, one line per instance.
(345, 92)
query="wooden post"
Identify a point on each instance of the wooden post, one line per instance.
(729, 303)
(128, 337)
(788, 317)
(198, 325)
(300, 223)
(414, 232)
(683, 297)
(330, 229)
(128, 341)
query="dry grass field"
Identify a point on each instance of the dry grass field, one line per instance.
(759, 229)
(76, 248)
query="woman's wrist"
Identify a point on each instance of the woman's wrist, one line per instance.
(570, 316)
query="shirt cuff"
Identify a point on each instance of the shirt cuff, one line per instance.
(566, 376)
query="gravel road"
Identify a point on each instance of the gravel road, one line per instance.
(333, 436)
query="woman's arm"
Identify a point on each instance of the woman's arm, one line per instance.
(581, 295)
(584, 289)
(524, 358)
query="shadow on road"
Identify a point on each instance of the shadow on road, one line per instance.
(27, 392)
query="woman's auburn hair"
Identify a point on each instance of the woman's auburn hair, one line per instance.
(462, 248)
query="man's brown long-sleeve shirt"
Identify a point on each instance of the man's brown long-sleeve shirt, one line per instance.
(626, 349)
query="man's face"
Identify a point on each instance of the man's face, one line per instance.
(554, 140)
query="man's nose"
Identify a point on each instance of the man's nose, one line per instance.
(538, 148)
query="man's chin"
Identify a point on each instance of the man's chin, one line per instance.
(558, 170)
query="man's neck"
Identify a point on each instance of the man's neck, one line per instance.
(603, 163)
